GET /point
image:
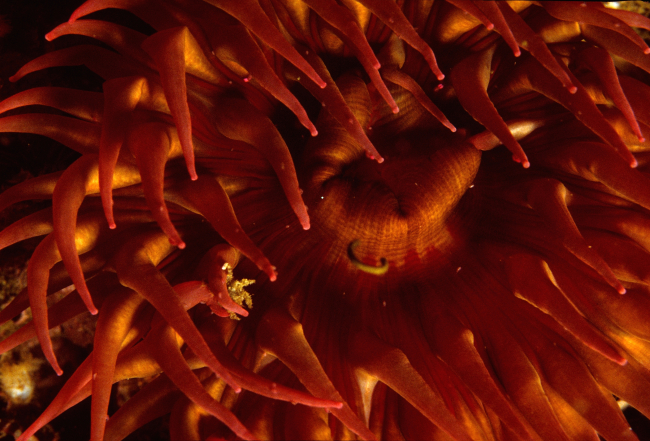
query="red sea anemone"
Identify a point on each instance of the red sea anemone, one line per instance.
(435, 289)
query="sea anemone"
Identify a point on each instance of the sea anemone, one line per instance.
(475, 260)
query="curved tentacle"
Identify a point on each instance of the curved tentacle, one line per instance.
(65, 309)
(151, 164)
(136, 269)
(602, 65)
(122, 96)
(34, 225)
(80, 136)
(397, 77)
(470, 78)
(590, 15)
(241, 47)
(332, 99)
(529, 40)
(260, 385)
(116, 320)
(168, 355)
(253, 17)
(549, 199)
(220, 214)
(70, 191)
(342, 19)
(79, 103)
(393, 17)
(105, 63)
(86, 234)
(503, 27)
(378, 359)
(70, 389)
(455, 344)
(531, 279)
(126, 41)
(238, 120)
(171, 49)
(159, 396)
(282, 336)
(531, 77)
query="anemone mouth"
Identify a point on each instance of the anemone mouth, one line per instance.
(406, 205)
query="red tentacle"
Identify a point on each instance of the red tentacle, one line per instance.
(470, 78)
